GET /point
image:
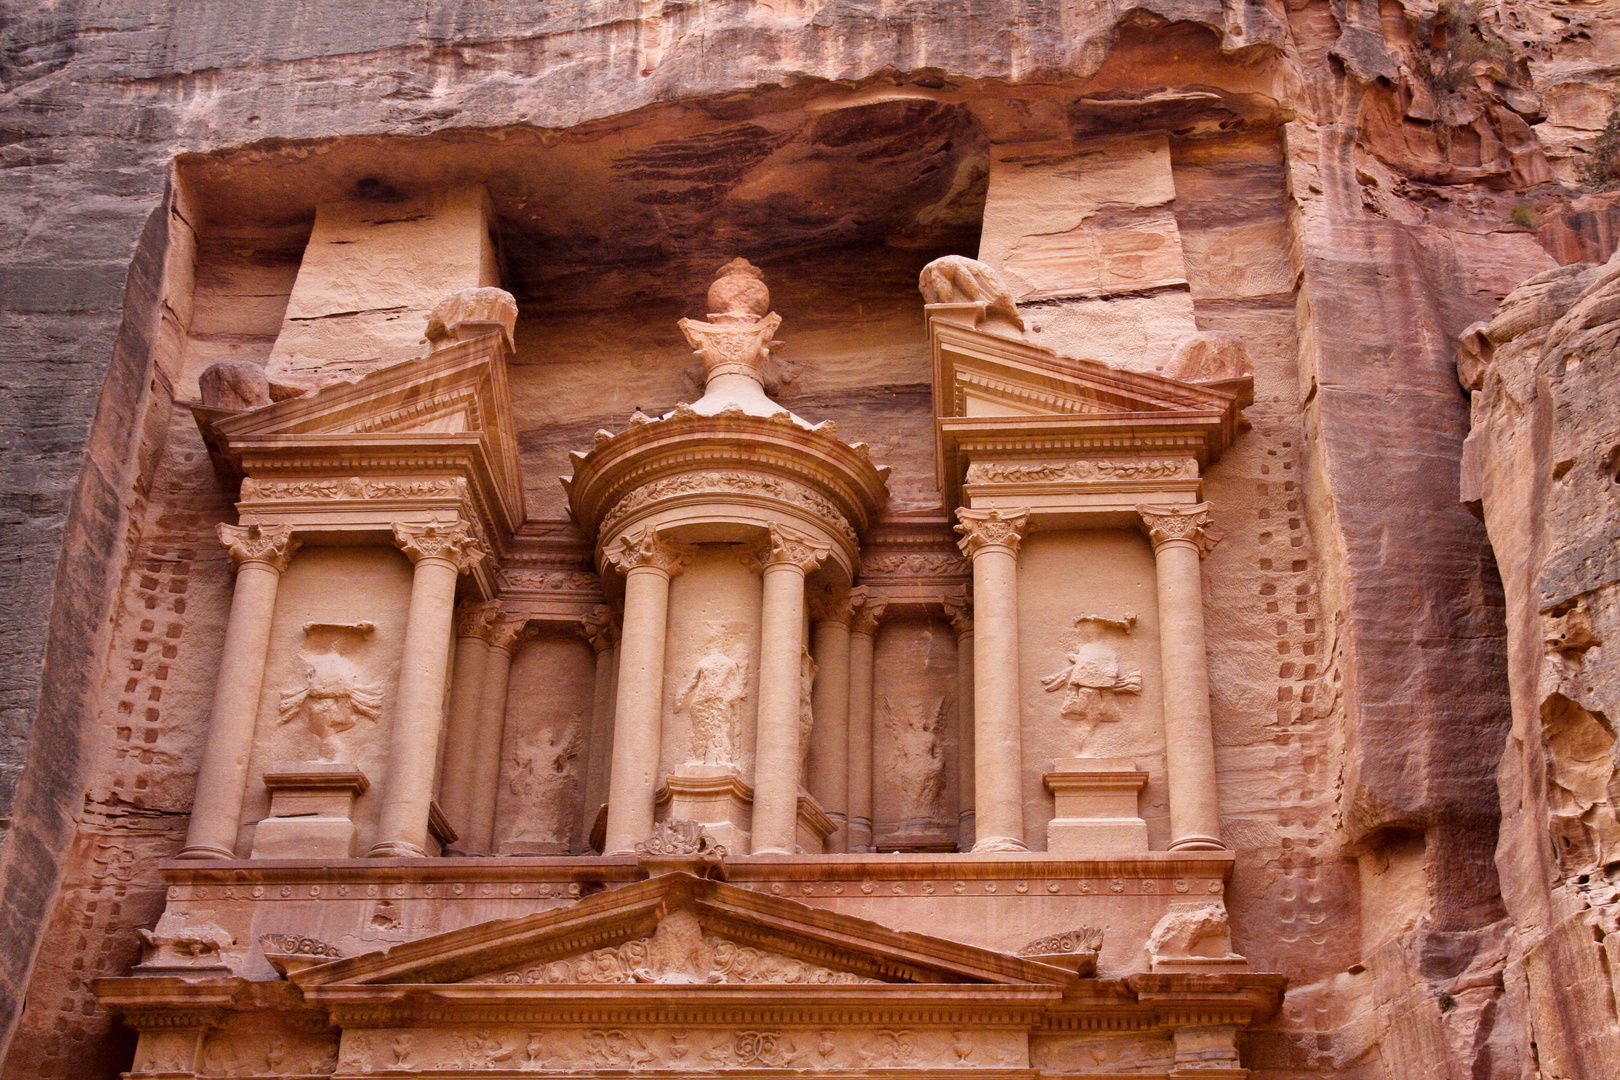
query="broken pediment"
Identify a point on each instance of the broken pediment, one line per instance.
(998, 396)
(443, 415)
(678, 929)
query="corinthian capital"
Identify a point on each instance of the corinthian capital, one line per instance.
(959, 610)
(600, 627)
(644, 547)
(1165, 524)
(983, 529)
(829, 604)
(795, 548)
(474, 618)
(866, 611)
(272, 545)
(509, 628)
(452, 542)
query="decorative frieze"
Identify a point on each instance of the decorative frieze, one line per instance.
(731, 482)
(1084, 470)
(255, 490)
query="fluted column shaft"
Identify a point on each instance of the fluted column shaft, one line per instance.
(962, 622)
(504, 636)
(866, 614)
(1179, 543)
(788, 558)
(829, 739)
(647, 563)
(991, 538)
(442, 553)
(261, 553)
(466, 691)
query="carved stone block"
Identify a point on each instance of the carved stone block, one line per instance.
(310, 812)
(1096, 807)
(715, 797)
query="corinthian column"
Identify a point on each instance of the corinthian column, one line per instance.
(991, 538)
(504, 634)
(829, 739)
(788, 558)
(961, 617)
(647, 563)
(1180, 540)
(473, 621)
(260, 554)
(866, 612)
(442, 553)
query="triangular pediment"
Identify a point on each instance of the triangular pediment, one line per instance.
(680, 929)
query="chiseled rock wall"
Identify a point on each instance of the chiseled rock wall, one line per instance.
(1426, 154)
(1543, 464)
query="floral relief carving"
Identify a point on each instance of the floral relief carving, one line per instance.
(1082, 939)
(678, 952)
(983, 529)
(550, 580)
(679, 837)
(915, 564)
(727, 482)
(255, 490)
(1103, 469)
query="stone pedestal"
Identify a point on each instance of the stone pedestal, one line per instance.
(1096, 807)
(310, 813)
(813, 826)
(715, 797)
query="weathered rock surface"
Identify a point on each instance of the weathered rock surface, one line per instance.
(1344, 185)
(1540, 465)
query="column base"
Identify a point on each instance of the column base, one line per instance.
(204, 851)
(310, 812)
(396, 849)
(813, 826)
(1095, 800)
(999, 843)
(1197, 843)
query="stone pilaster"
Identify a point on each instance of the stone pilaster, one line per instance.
(829, 739)
(473, 620)
(866, 614)
(600, 628)
(505, 632)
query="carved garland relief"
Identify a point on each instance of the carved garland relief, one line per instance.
(718, 483)
(998, 472)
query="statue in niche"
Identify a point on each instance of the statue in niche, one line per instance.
(919, 766)
(334, 697)
(712, 703)
(542, 776)
(1094, 675)
(807, 716)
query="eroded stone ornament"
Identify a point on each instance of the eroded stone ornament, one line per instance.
(957, 279)
(679, 836)
(741, 329)
(712, 702)
(1094, 675)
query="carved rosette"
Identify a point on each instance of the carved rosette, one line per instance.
(787, 546)
(644, 548)
(1167, 524)
(984, 530)
(451, 542)
(866, 611)
(269, 545)
(601, 627)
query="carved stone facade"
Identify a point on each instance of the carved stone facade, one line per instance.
(1016, 621)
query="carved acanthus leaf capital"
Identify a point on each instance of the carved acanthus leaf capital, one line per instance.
(830, 604)
(451, 541)
(788, 546)
(600, 626)
(741, 348)
(508, 629)
(959, 611)
(645, 548)
(474, 618)
(272, 545)
(995, 528)
(866, 611)
(1165, 524)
